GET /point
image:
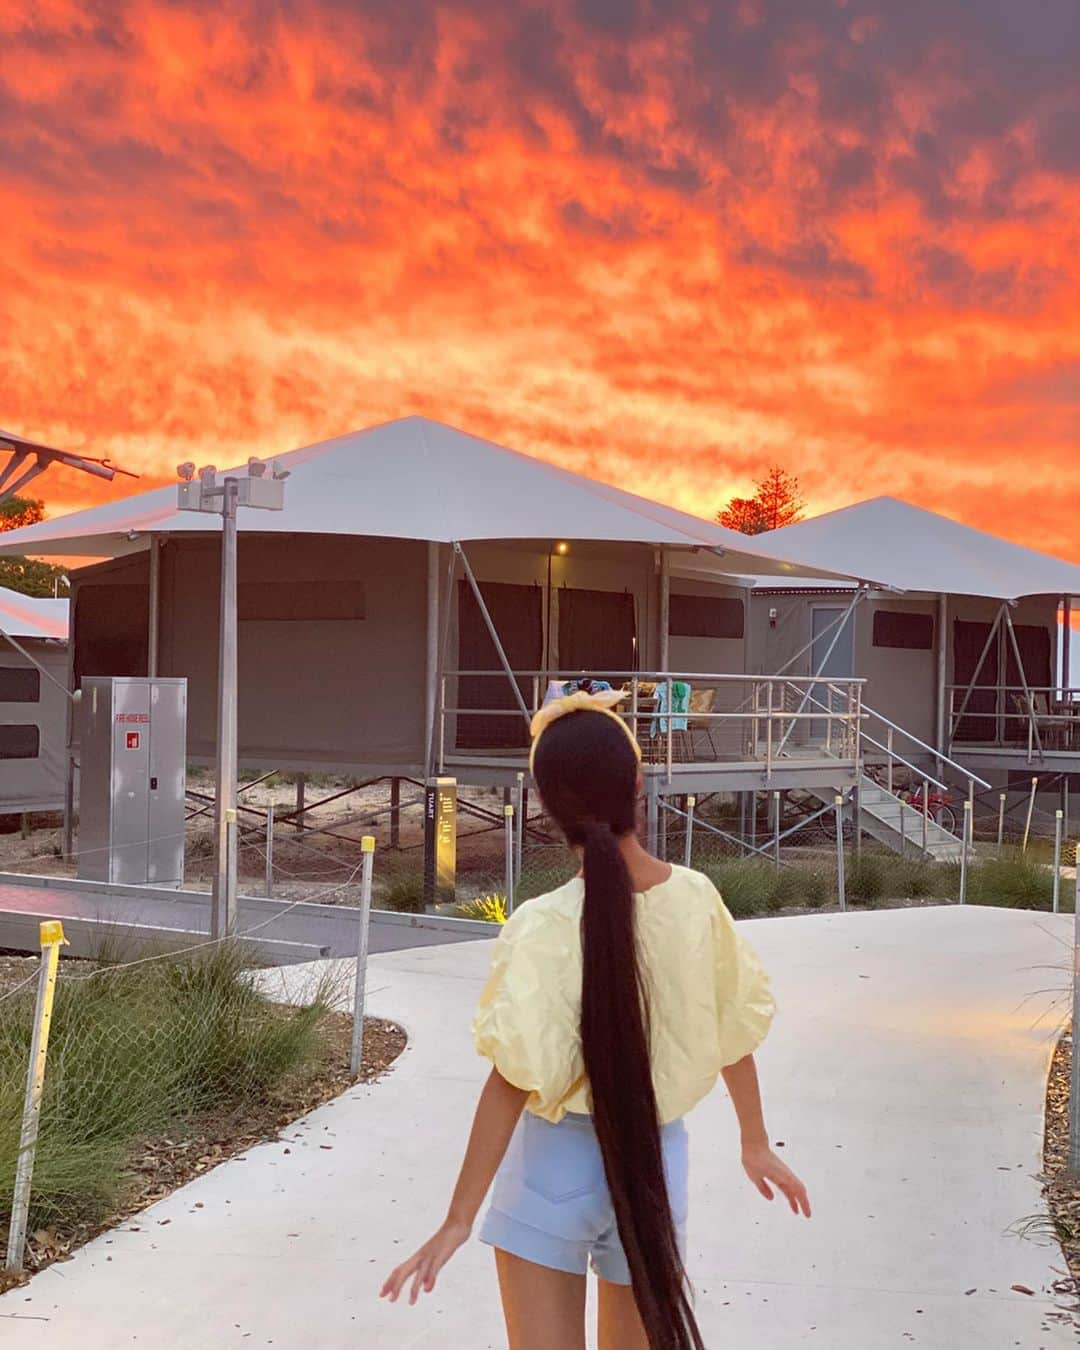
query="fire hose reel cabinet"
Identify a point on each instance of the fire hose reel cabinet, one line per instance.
(132, 776)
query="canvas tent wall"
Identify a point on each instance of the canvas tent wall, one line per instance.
(33, 706)
(332, 649)
(894, 642)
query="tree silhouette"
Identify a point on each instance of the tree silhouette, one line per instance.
(24, 574)
(775, 503)
(19, 511)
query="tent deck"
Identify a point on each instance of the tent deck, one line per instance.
(1014, 758)
(696, 776)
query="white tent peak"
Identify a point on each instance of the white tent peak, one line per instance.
(914, 549)
(414, 478)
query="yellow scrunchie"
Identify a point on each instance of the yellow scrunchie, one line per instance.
(602, 702)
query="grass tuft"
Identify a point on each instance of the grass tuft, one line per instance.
(137, 1052)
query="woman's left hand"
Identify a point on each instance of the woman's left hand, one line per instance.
(424, 1265)
(762, 1166)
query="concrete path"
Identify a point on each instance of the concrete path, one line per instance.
(905, 1077)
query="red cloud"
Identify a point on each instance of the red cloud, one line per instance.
(667, 252)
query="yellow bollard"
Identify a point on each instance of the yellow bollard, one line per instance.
(52, 939)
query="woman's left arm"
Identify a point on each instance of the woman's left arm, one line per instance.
(497, 1113)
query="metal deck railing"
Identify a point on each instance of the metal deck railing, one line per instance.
(1030, 721)
(730, 719)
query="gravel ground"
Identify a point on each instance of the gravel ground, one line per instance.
(1061, 1188)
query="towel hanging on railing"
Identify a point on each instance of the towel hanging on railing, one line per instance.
(680, 707)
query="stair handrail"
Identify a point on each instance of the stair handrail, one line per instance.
(865, 736)
(961, 769)
(893, 754)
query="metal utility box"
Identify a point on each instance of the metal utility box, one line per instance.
(132, 775)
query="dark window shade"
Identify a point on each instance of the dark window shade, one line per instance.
(596, 631)
(289, 601)
(705, 616)
(517, 613)
(20, 686)
(968, 642)
(901, 628)
(111, 629)
(1035, 649)
(19, 742)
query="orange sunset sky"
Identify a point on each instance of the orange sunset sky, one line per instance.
(664, 243)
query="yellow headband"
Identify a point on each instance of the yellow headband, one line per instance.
(602, 702)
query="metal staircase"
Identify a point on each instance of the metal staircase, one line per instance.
(899, 825)
(885, 815)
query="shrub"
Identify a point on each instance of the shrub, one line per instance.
(1012, 882)
(136, 1052)
(404, 894)
(486, 908)
(866, 878)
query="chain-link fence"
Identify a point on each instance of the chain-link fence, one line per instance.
(155, 1068)
(300, 840)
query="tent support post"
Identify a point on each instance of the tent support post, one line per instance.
(663, 646)
(493, 632)
(153, 624)
(68, 842)
(976, 672)
(1029, 704)
(432, 665)
(1066, 634)
(438, 746)
(942, 692)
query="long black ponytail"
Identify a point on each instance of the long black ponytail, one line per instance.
(586, 770)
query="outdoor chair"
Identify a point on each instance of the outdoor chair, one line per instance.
(702, 702)
(1052, 732)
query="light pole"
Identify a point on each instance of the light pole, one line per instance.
(204, 493)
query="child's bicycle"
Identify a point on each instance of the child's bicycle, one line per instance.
(938, 801)
(938, 806)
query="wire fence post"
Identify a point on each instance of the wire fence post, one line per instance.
(691, 803)
(1030, 813)
(520, 804)
(964, 846)
(1074, 1067)
(925, 814)
(508, 817)
(270, 849)
(840, 880)
(52, 939)
(1059, 817)
(776, 829)
(367, 848)
(1001, 823)
(652, 812)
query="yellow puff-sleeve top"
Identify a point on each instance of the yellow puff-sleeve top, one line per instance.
(709, 998)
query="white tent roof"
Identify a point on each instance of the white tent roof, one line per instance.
(912, 549)
(27, 616)
(418, 479)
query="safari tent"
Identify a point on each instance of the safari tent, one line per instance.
(33, 702)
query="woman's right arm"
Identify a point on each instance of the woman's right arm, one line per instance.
(761, 1164)
(497, 1113)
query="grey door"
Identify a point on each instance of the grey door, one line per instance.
(130, 782)
(839, 664)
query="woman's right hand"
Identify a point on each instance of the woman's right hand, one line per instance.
(424, 1265)
(766, 1170)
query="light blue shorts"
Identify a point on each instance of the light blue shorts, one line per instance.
(551, 1203)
